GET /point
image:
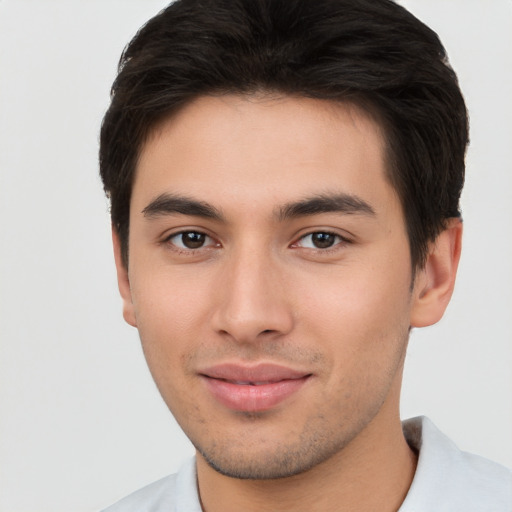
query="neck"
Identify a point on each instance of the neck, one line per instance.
(373, 472)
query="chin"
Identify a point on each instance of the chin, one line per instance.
(269, 461)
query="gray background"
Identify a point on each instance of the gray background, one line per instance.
(81, 422)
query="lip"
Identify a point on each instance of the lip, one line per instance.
(252, 388)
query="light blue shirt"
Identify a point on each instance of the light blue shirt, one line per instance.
(446, 480)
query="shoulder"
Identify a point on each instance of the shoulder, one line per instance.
(173, 493)
(160, 493)
(449, 479)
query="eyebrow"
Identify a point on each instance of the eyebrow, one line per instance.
(169, 204)
(325, 203)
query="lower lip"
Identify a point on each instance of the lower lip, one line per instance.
(253, 398)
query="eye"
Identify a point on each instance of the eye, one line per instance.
(190, 240)
(319, 240)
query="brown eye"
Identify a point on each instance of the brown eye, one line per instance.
(190, 240)
(193, 240)
(323, 240)
(320, 240)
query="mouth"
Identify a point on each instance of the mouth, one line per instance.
(252, 388)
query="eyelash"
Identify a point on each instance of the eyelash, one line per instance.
(188, 251)
(340, 241)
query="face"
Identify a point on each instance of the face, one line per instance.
(270, 279)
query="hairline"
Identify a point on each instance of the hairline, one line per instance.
(358, 100)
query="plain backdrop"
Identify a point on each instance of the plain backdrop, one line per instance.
(81, 422)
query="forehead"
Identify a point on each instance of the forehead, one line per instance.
(245, 149)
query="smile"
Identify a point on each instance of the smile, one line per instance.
(252, 389)
(240, 383)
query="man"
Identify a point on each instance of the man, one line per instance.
(284, 179)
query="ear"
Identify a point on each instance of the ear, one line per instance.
(123, 281)
(434, 283)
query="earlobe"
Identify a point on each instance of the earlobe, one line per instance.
(123, 281)
(434, 283)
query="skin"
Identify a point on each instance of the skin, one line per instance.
(259, 290)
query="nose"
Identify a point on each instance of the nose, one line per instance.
(254, 303)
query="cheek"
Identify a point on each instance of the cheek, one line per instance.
(362, 329)
(170, 315)
(168, 322)
(357, 311)
(172, 330)
(363, 294)
(168, 301)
